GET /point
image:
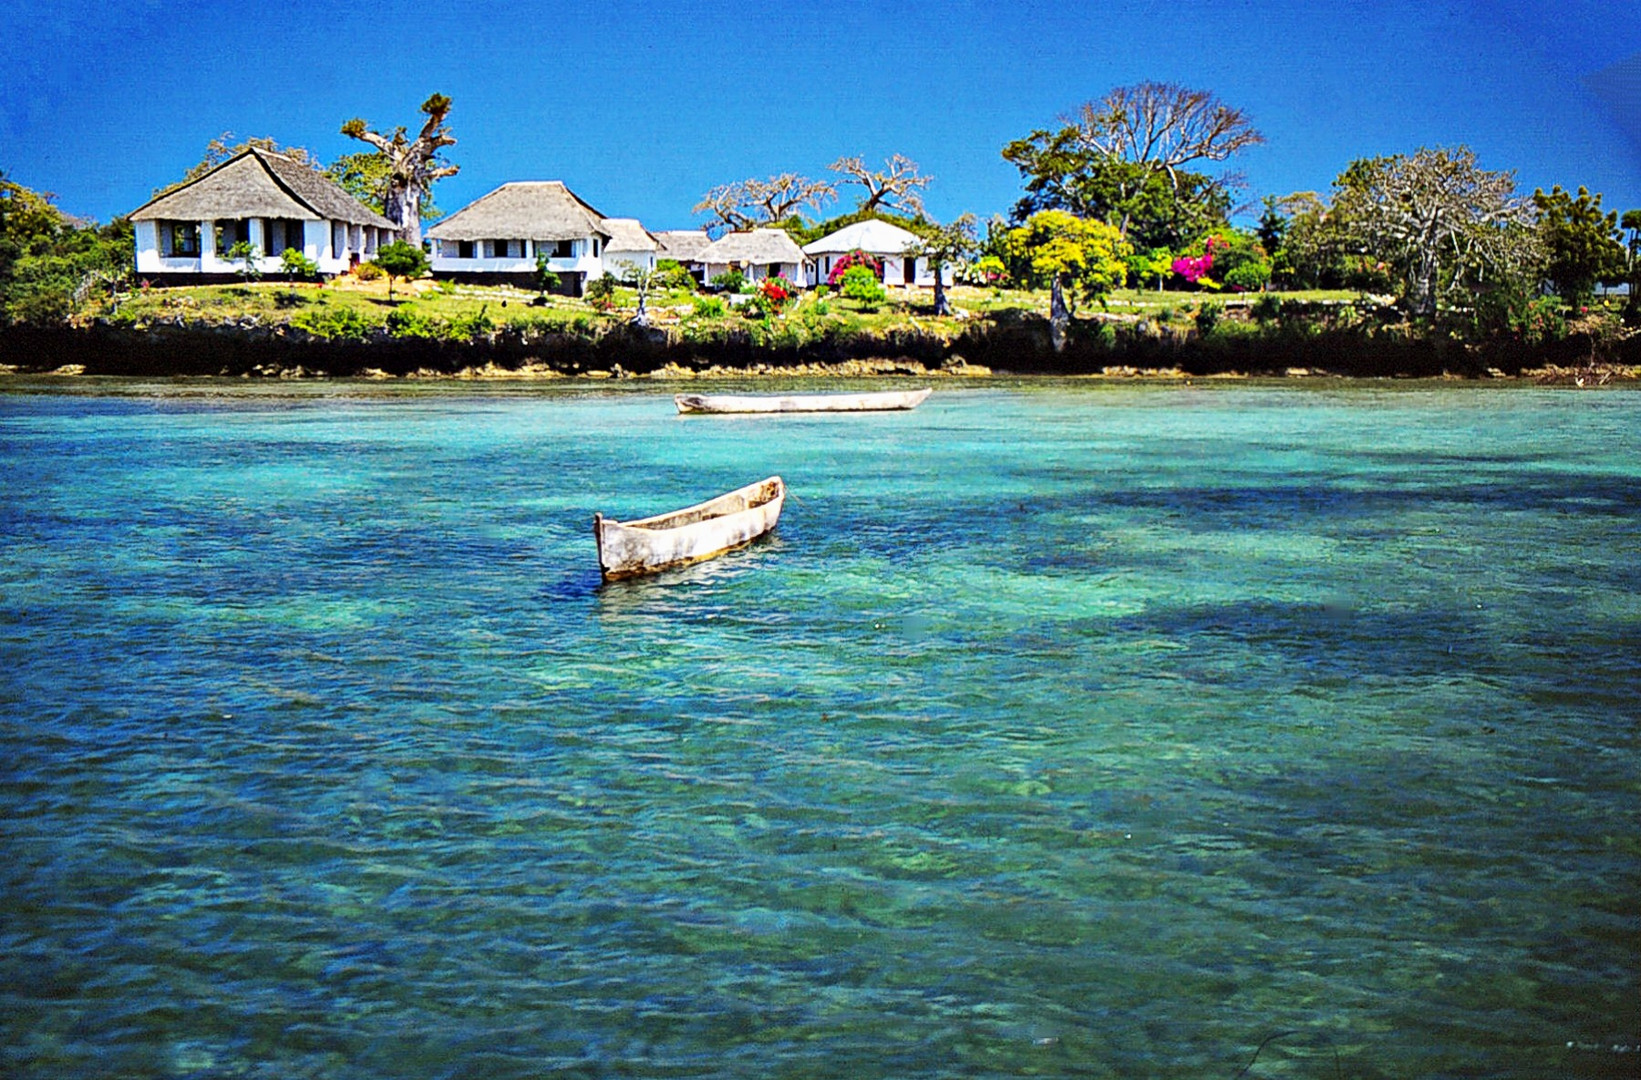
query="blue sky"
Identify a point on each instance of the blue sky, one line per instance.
(641, 107)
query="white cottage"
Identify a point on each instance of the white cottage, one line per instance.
(263, 198)
(886, 243)
(631, 247)
(496, 238)
(686, 247)
(756, 253)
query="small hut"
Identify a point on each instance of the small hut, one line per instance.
(756, 253)
(885, 242)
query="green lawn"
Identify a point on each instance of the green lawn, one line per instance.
(273, 303)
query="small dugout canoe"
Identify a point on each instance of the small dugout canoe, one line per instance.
(878, 401)
(631, 548)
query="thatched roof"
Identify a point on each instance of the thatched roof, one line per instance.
(259, 183)
(871, 236)
(626, 234)
(755, 246)
(523, 210)
(684, 245)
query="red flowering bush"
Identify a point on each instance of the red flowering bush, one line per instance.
(776, 290)
(856, 257)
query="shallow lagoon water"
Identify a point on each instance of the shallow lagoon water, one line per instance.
(1060, 731)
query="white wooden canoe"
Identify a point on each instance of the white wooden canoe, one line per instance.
(629, 548)
(773, 403)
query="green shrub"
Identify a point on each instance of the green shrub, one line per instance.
(731, 281)
(298, 265)
(409, 322)
(1249, 276)
(709, 307)
(1208, 316)
(368, 272)
(335, 323)
(671, 274)
(858, 283)
(601, 292)
(1165, 315)
(474, 324)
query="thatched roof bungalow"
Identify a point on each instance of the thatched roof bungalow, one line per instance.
(631, 246)
(756, 253)
(885, 242)
(498, 236)
(268, 200)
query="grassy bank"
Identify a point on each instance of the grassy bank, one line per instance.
(430, 329)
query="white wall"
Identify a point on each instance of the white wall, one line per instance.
(317, 244)
(446, 261)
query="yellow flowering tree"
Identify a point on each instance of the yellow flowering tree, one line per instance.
(1069, 255)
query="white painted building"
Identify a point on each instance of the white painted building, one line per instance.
(497, 237)
(685, 247)
(886, 243)
(266, 199)
(757, 254)
(631, 247)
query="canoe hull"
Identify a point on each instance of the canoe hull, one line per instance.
(632, 548)
(879, 401)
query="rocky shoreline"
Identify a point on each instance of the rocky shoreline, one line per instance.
(1018, 348)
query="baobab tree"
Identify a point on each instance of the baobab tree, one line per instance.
(895, 188)
(748, 203)
(413, 165)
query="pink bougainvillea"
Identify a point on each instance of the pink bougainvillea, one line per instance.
(856, 257)
(1195, 267)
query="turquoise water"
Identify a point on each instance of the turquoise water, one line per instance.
(1065, 731)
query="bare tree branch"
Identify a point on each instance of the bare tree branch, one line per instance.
(748, 203)
(895, 188)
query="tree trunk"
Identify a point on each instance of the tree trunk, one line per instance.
(1059, 316)
(941, 305)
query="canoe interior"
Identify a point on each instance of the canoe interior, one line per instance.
(733, 503)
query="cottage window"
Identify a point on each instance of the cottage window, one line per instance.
(230, 233)
(464, 249)
(179, 239)
(564, 249)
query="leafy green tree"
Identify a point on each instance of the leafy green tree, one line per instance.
(412, 164)
(1154, 263)
(400, 260)
(1123, 160)
(546, 280)
(945, 245)
(1581, 244)
(1069, 255)
(1631, 224)
(246, 255)
(1443, 224)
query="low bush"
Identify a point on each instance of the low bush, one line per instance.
(709, 307)
(368, 272)
(407, 321)
(475, 324)
(1208, 316)
(730, 281)
(334, 323)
